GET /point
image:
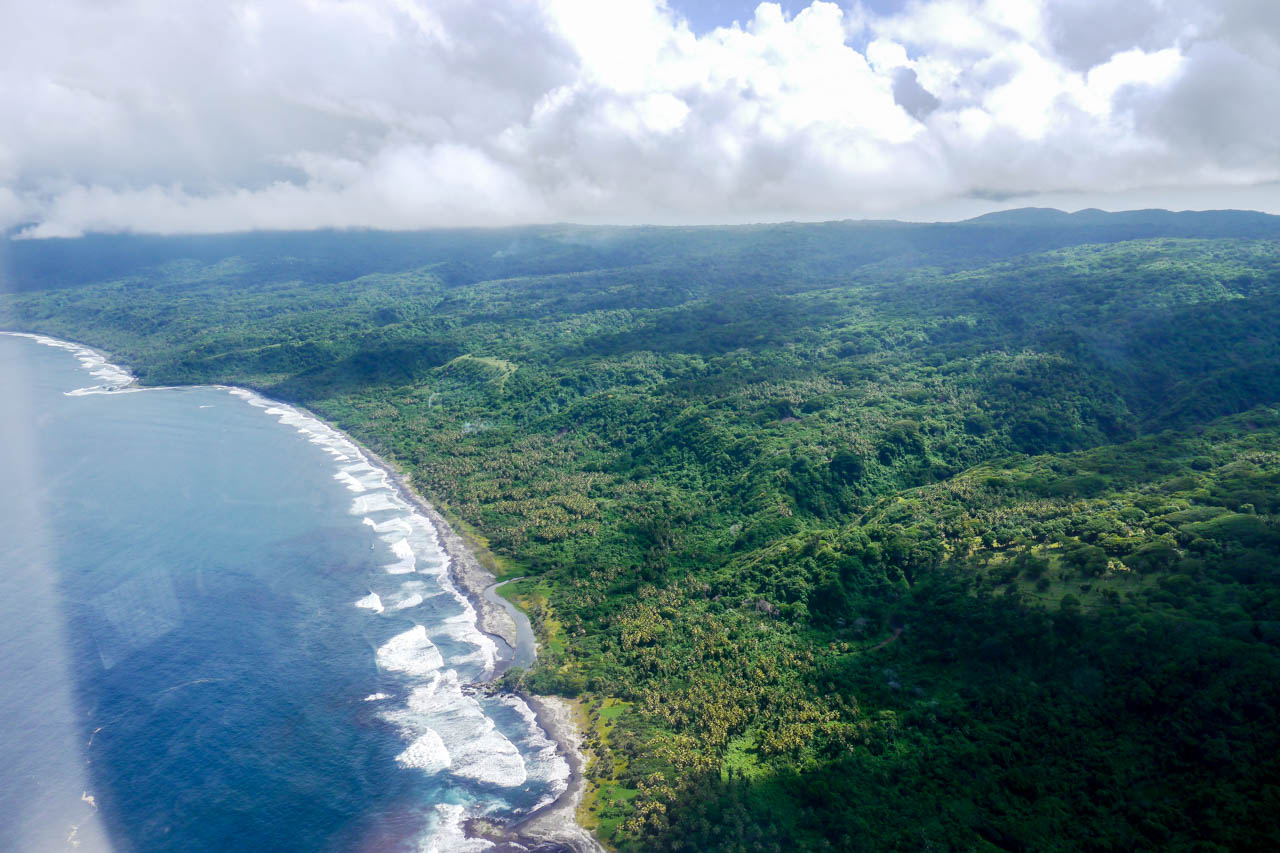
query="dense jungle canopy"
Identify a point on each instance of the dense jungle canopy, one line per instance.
(852, 535)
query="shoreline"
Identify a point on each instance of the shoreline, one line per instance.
(465, 568)
(553, 828)
(558, 821)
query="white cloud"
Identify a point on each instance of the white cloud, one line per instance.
(187, 116)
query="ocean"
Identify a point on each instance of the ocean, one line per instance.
(222, 629)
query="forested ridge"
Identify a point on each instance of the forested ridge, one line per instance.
(847, 535)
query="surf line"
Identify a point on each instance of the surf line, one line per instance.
(484, 614)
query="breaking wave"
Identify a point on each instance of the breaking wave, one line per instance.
(114, 378)
(493, 749)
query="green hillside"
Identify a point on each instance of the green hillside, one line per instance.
(849, 535)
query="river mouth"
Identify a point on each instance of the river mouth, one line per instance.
(525, 653)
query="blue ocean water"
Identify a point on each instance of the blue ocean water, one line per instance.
(222, 629)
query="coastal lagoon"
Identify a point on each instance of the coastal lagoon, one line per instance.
(221, 627)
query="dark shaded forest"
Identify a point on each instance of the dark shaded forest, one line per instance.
(848, 535)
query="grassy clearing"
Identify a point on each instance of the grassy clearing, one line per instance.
(606, 801)
(494, 371)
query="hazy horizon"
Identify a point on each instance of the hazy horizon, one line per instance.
(18, 233)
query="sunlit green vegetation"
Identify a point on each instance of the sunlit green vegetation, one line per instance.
(847, 536)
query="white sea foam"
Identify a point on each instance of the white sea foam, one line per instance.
(406, 560)
(399, 524)
(350, 482)
(542, 756)
(412, 600)
(328, 439)
(479, 752)
(445, 731)
(366, 475)
(437, 715)
(412, 653)
(462, 626)
(115, 379)
(427, 753)
(414, 590)
(374, 502)
(371, 602)
(446, 834)
(462, 629)
(104, 389)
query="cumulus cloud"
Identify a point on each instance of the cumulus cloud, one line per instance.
(197, 117)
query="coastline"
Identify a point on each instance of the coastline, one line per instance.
(558, 821)
(471, 577)
(553, 828)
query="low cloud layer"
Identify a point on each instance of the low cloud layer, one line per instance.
(198, 117)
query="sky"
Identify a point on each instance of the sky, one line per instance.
(192, 116)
